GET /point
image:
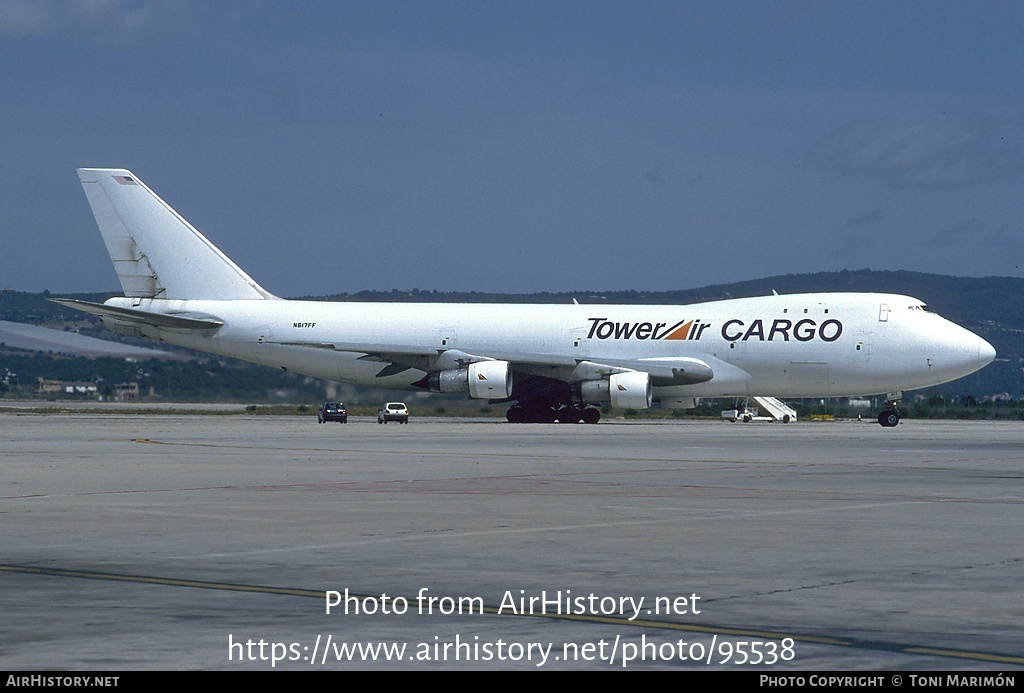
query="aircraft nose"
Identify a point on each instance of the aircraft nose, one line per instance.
(986, 353)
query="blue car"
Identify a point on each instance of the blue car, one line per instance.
(332, 411)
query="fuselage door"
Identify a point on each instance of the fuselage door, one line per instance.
(883, 313)
(447, 337)
(579, 341)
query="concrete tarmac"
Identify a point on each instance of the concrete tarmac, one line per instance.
(209, 542)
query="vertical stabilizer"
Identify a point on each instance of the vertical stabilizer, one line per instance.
(156, 253)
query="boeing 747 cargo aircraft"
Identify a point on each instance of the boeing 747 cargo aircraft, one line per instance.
(548, 362)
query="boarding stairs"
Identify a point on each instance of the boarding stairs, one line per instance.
(779, 410)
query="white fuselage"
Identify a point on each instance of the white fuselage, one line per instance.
(797, 345)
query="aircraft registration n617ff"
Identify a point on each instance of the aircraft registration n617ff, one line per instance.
(549, 362)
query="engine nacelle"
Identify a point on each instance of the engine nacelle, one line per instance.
(483, 380)
(490, 380)
(624, 390)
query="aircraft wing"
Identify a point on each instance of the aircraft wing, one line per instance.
(182, 321)
(667, 371)
(663, 371)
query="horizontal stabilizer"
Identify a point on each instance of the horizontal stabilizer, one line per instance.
(181, 321)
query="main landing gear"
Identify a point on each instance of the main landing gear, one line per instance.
(542, 412)
(890, 416)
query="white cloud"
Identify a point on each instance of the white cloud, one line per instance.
(112, 17)
(923, 155)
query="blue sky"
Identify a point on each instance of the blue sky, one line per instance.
(520, 146)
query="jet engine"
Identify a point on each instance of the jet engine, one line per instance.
(483, 380)
(624, 390)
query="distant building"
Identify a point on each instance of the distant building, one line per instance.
(998, 397)
(126, 392)
(50, 387)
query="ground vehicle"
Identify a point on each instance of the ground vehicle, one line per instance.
(332, 411)
(393, 411)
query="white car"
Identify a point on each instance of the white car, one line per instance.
(393, 411)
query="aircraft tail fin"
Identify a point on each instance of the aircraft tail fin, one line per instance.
(156, 253)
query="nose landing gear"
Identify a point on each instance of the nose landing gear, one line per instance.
(889, 418)
(890, 415)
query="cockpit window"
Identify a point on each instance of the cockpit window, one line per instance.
(921, 307)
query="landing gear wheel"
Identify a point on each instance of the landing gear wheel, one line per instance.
(530, 413)
(543, 413)
(889, 418)
(568, 415)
